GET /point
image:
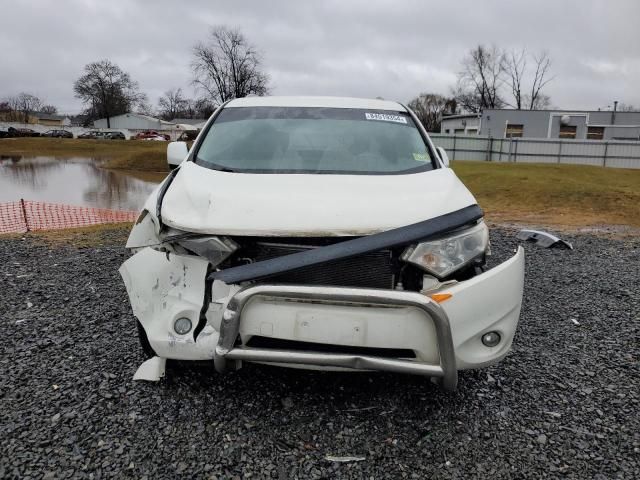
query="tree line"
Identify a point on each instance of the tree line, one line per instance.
(226, 65)
(490, 77)
(19, 107)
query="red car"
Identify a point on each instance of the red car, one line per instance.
(151, 134)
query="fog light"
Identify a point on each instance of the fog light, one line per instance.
(491, 339)
(182, 326)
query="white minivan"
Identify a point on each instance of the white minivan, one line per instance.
(321, 233)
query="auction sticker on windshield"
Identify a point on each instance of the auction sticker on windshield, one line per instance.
(385, 117)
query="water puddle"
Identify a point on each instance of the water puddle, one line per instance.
(73, 181)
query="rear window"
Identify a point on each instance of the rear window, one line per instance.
(314, 140)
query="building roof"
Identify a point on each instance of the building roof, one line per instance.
(49, 116)
(327, 102)
(566, 110)
(463, 115)
(140, 115)
(187, 121)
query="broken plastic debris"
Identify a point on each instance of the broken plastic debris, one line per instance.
(152, 370)
(333, 458)
(544, 239)
(575, 322)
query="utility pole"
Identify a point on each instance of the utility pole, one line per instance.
(613, 114)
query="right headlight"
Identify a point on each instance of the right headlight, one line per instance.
(445, 255)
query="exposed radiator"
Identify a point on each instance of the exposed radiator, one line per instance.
(372, 270)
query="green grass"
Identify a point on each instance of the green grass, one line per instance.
(569, 195)
(148, 161)
(117, 154)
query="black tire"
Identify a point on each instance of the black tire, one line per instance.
(147, 350)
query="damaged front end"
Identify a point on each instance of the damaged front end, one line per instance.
(412, 299)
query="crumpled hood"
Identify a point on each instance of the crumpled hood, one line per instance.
(209, 201)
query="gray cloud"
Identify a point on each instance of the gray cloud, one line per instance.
(393, 49)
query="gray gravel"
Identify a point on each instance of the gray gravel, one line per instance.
(565, 403)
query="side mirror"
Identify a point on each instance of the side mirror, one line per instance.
(176, 153)
(443, 156)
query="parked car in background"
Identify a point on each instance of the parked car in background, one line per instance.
(58, 134)
(4, 132)
(92, 134)
(152, 135)
(22, 132)
(114, 136)
(322, 233)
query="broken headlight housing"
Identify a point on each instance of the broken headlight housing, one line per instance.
(216, 249)
(213, 248)
(445, 255)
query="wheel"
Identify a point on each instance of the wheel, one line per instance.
(147, 350)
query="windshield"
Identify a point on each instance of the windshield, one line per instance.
(313, 140)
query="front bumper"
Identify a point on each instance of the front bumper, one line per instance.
(227, 353)
(445, 337)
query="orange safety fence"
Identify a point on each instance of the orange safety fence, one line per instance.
(26, 216)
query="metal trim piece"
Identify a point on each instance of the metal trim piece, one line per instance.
(226, 352)
(351, 248)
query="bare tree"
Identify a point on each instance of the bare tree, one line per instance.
(481, 79)
(172, 104)
(627, 107)
(202, 108)
(541, 102)
(531, 98)
(106, 90)
(490, 75)
(430, 107)
(541, 78)
(228, 66)
(22, 105)
(143, 106)
(515, 68)
(49, 109)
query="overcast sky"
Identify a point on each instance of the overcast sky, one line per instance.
(394, 49)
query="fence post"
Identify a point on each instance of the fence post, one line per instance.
(604, 159)
(500, 155)
(515, 153)
(559, 150)
(489, 149)
(454, 147)
(24, 214)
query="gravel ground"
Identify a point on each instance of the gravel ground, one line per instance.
(565, 403)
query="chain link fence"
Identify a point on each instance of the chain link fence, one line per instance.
(603, 153)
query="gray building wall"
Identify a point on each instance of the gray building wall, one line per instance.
(546, 123)
(455, 123)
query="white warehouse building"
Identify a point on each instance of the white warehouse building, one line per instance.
(134, 121)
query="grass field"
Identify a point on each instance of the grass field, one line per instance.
(557, 195)
(117, 154)
(569, 195)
